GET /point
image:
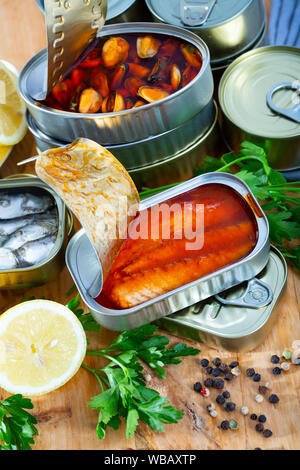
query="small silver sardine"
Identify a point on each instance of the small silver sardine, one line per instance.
(8, 259)
(18, 205)
(34, 252)
(31, 232)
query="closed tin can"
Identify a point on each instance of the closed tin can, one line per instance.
(119, 11)
(148, 151)
(85, 267)
(49, 268)
(123, 126)
(248, 113)
(229, 326)
(229, 27)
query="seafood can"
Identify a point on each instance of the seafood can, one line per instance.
(114, 128)
(228, 27)
(234, 325)
(85, 267)
(142, 153)
(264, 109)
(51, 264)
(119, 11)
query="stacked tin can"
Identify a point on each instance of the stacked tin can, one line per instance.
(160, 143)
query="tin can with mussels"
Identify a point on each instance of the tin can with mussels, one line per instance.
(229, 27)
(234, 320)
(259, 98)
(32, 245)
(85, 267)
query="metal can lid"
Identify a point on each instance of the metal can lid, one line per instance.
(169, 11)
(246, 83)
(117, 7)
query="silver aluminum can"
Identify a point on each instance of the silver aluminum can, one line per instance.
(85, 267)
(129, 125)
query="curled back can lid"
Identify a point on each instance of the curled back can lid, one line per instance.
(246, 84)
(185, 12)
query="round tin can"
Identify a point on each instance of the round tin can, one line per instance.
(119, 11)
(247, 115)
(147, 151)
(229, 27)
(129, 125)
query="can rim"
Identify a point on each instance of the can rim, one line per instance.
(226, 75)
(146, 27)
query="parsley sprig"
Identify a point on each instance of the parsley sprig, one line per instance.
(124, 393)
(279, 199)
(17, 428)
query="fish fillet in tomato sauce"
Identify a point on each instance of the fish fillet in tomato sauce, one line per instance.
(151, 264)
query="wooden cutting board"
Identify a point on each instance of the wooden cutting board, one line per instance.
(65, 421)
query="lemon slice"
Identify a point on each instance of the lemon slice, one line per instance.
(4, 152)
(42, 345)
(12, 107)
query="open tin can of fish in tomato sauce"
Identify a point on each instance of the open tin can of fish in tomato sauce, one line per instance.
(85, 267)
(34, 229)
(135, 123)
(259, 98)
(234, 320)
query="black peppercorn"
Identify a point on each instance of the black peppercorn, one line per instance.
(216, 372)
(197, 387)
(209, 370)
(225, 425)
(219, 384)
(262, 389)
(250, 372)
(229, 406)
(226, 394)
(233, 364)
(276, 371)
(273, 398)
(217, 361)
(223, 368)
(253, 416)
(256, 377)
(267, 433)
(208, 382)
(262, 419)
(275, 359)
(259, 427)
(228, 376)
(220, 399)
(204, 362)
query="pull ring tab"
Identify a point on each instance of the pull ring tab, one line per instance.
(257, 295)
(195, 12)
(291, 113)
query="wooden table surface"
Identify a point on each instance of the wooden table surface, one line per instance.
(65, 422)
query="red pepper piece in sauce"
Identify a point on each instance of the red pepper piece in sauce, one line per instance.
(62, 92)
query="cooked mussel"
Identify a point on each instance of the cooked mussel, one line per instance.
(160, 70)
(113, 103)
(138, 70)
(188, 75)
(114, 51)
(132, 84)
(175, 75)
(191, 54)
(90, 101)
(150, 93)
(147, 46)
(99, 81)
(118, 76)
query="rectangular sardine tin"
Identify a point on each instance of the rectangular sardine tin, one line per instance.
(47, 269)
(85, 267)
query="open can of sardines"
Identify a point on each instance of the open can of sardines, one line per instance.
(34, 229)
(185, 245)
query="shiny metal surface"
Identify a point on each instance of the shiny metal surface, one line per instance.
(246, 114)
(233, 328)
(232, 26)
(148, 151)
(291, 113)
(129, 125)
(67, 37)
(85, 267)
(22, 278)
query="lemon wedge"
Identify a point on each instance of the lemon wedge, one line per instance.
(12, 108)
(4, 152)
(42, 345)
